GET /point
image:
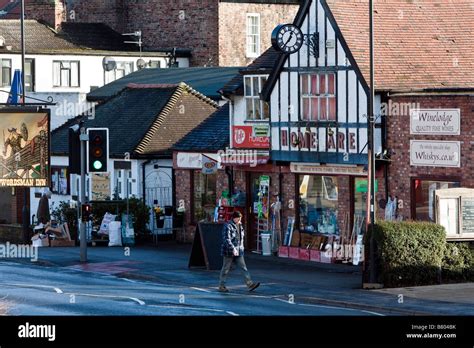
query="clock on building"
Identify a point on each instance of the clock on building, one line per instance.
(287, 38)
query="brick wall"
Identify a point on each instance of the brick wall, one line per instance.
(178, 23)
(232, 28)
(401, 173)
(110, 12)
(51, 12)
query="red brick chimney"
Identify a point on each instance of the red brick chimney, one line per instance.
(51, 12)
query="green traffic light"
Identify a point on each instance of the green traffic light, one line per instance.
(97, 165)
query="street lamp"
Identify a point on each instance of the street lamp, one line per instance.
(371, 150)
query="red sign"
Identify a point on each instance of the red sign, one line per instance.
(243, 137)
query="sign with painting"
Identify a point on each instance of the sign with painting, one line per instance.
(100, 187)
(435, 121)
(251, 137)
(25, 154)
(435, 153)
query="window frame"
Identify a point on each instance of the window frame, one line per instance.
(33, 74)
(319, 96)
(249, 35)
(108, 77)
(10, 72)
(262, 79)
(61, 69)
(58, 170)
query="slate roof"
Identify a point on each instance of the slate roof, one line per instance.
(261, 65)
(206, 80)
(422, 44)
(71, 38)
(131, 116)
(210, 135)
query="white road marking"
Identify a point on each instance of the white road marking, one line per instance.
(232, 313)
(203, 290)
(285, 301)
(20, 285)
(342, 308)
(128, 280)
(58, 290)
(140, 302)
(190, 308)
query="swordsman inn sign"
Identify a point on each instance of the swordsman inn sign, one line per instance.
(25, 151)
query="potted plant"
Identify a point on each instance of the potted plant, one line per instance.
(160, 217)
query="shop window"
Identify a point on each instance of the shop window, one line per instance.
(60, 180)
(257, 109)
(318, 204)
(318, 97)
(425, 197)
(204, 196)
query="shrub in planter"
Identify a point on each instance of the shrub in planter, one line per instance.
(409, 253)
(458, 263)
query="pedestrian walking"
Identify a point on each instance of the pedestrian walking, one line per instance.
(233, 250)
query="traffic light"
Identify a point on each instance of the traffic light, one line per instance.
(98, 150)
(86, 211)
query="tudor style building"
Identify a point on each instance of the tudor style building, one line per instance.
(318, 101)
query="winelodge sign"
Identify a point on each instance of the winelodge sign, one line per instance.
(435, 121)
(435, 153)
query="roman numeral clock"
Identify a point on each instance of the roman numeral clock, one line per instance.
(287, 38)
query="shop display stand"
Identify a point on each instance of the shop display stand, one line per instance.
(263, 222)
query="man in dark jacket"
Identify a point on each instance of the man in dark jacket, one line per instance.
(233, 250)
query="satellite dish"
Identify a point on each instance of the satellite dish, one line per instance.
(141, 63)
(108, 63)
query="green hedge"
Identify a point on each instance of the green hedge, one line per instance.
(458, 263)
(409, 253)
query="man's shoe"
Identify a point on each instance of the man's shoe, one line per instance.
(253, 286)
(223, 289)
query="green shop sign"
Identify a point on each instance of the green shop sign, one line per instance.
(361, 186)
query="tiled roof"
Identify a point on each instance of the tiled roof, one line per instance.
(134, 116)
(262, 65)
(38, 37)
(210, 135)
(205, 80)
(422, 44)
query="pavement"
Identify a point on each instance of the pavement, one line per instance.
(287, 280)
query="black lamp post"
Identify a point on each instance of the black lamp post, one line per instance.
(371, 150)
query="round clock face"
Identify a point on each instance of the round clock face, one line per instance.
(287, 38)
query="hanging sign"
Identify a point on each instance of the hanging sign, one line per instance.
(435, 121)
(100, 187)
(24, 150)
(209, 166)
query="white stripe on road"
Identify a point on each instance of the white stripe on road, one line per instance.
(232, 313)
(20, 285)
(342, 308)
(203, 290)
(58, 290)
(140, 302)
(285, 301)
(188, 307)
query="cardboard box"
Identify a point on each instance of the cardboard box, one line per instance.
(315, 255)
(294, 252)
(304, 254)
(283, 251)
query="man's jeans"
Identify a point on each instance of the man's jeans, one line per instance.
(239, 260)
